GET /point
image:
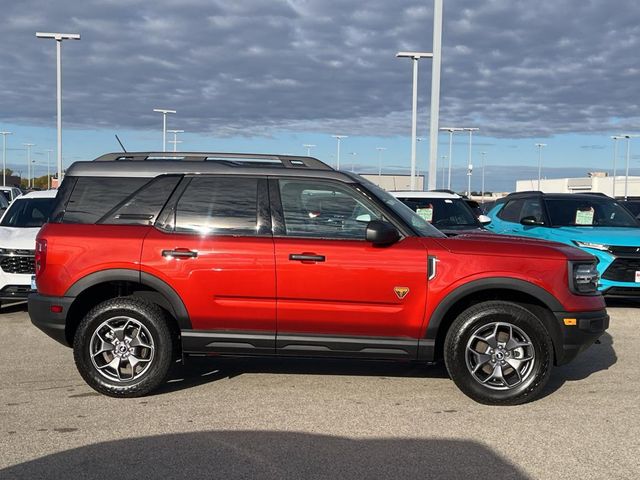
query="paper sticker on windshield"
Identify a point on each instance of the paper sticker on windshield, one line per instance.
(426, 213)
(584, 216)
(637, 276)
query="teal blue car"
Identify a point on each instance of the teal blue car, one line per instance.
(595, 223)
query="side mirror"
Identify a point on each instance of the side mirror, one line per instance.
(484, 220)
(530, 221)
(381, 233)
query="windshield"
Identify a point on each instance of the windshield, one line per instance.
(26, 213)
(449, 213)
(592, 212)
(423, 228)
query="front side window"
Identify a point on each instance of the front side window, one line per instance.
(511, 211)
(321, 209)
(218, 206)
(533, 209)
(443, 212)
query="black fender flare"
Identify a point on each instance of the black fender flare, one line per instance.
(501, 283)
(135, 276)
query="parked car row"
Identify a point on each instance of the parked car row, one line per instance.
(152, 257)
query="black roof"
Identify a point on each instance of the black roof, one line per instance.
(152, 164)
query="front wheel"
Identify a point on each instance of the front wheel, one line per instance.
(124, 347)
(499, 353)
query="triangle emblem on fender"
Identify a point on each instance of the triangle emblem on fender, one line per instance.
(401, 292)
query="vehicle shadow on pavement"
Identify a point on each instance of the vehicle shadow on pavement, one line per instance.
(270, 455)
(197, 371)
(599, 356)
(13, 307)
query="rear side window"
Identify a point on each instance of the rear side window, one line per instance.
(218, 206)
(511, 211)
(93, 197)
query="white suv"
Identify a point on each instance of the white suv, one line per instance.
(18, 229)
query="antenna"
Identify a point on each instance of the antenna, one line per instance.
(121, 145)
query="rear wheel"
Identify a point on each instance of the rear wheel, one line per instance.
(499, 353)
(124, 347)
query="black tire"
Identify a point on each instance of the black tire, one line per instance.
(152, 370)
(524, 383)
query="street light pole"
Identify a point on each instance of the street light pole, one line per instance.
(338, 138)
(308, 146)
(4, 157)
(380, 150)
(484, 154)
(164, 113)
(615, 139)
(415, 56)
(28, 145)
(353, 161)
(626, 178)
(451, 131)
(540, 147)
(435, 93)
(469, 164)
(444, 161)
(175, 138)
(48, 168)
(59, 37)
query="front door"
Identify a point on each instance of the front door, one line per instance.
(337, 293)
(214, 248)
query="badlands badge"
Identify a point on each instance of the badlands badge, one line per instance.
(401, 292)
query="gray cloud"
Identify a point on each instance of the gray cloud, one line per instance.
(515, 68)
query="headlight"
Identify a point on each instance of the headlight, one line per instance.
(583, 278)
(595, 246)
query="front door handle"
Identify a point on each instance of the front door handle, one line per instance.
(180, 253)
(306, 257)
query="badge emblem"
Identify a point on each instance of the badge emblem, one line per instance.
(401, 292)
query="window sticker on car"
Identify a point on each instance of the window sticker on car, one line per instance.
(426, 213)
(584, 216)
(637, 276)
(448, 201)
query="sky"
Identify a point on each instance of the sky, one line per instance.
(272, 76)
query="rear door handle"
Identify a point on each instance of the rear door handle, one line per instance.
(180, 253)
(306, 257)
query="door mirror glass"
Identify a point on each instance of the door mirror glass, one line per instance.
(381, 233)
(530, 221)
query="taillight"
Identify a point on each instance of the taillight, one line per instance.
(40, 256)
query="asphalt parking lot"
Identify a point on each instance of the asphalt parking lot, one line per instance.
(254, 418)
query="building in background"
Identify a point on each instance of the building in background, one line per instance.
(599, 182)
(394, 182)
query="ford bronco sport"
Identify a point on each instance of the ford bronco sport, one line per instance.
(151, 257)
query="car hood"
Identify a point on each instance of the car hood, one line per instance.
(18, 238)
(513, 246)
(617, 236)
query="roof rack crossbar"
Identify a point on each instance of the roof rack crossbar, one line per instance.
(287, 161)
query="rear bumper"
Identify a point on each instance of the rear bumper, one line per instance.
(579, 331)
(53, 324)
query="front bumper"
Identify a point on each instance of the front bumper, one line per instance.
(53, 324)
(579, 330)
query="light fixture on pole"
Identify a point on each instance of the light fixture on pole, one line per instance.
(484, 154)
(175, 140)
(4, 157)
(451, 131)
(540, 147)
(339, 139)
(59, 37)
(626, 175)
(48, 168)
(164, 113)
(615, 139)
(29, 145)
(469, 165)
(435, 93)
(380, 150)
(415, 56)
(308, 146)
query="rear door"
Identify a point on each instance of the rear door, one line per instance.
(337, 293)
(213, 246)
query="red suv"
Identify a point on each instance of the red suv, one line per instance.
(149, 258)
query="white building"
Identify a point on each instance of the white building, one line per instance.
(394, 182)
(595, 182)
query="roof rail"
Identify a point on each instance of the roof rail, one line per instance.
(526, 192)
(232, 159)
